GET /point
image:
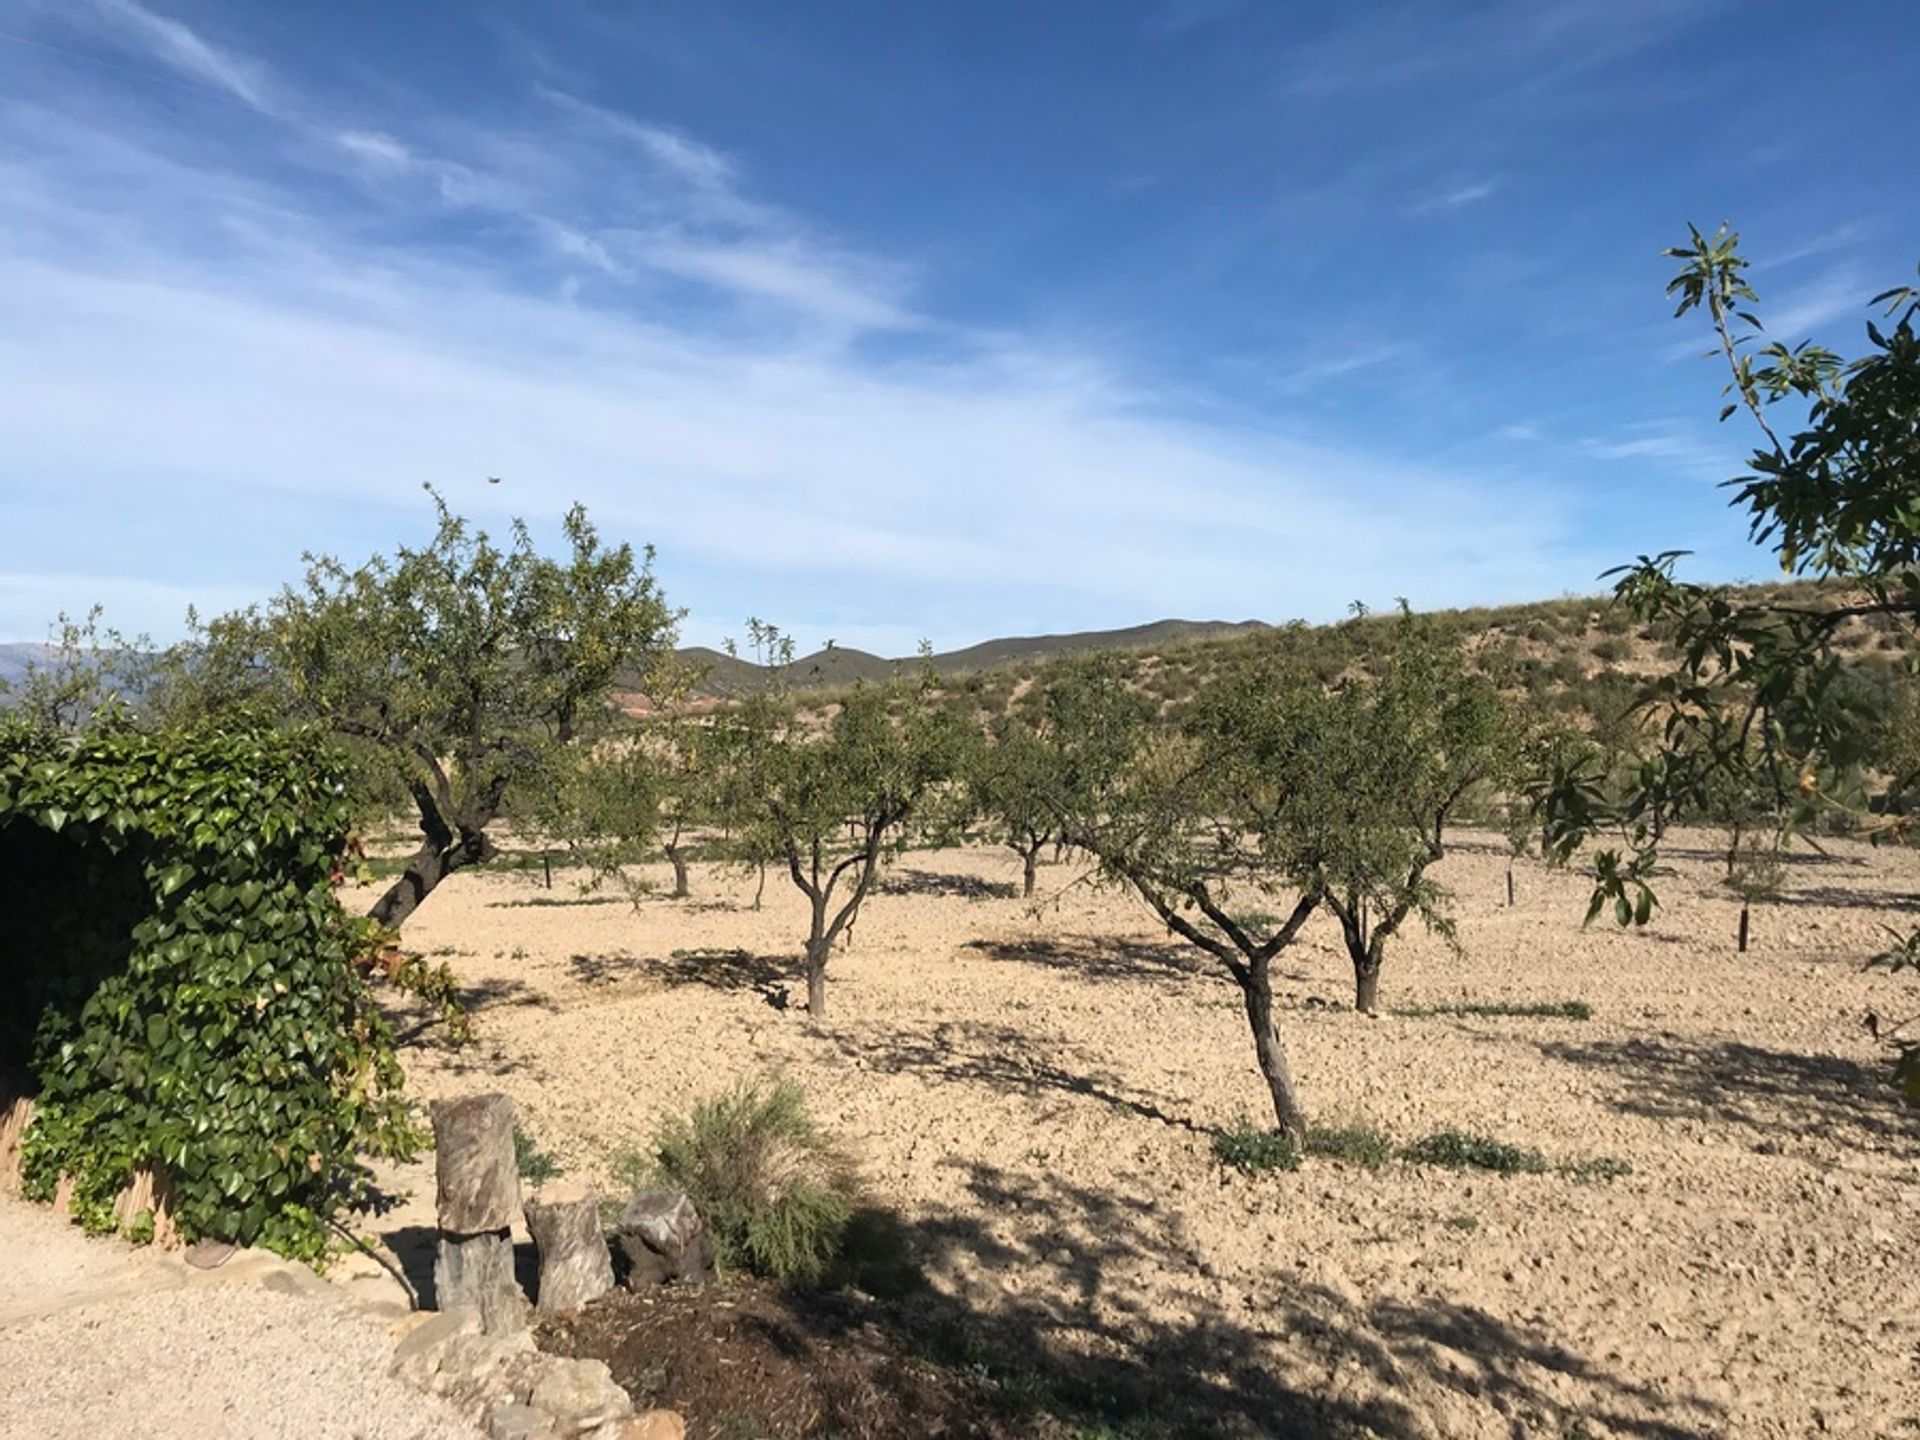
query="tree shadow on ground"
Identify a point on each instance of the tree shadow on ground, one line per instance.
(768, 976)
(935, 883)
(1101, 957)
(1670, 1077)
(1837, 897)
(1795, 859)
(1049, 1318)
(413, 1248)
(1000, 1057)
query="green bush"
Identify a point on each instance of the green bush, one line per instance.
(777, 1195)
(535, 1165)
(1457, 1150)
(1350, 1144)
(1245, 1146)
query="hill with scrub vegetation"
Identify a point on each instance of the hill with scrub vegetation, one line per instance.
(1576, 654)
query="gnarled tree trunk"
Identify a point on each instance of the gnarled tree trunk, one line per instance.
(1271, 1051)
(448, 847)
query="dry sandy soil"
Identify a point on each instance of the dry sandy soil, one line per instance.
(98, 1339)
(1036, 1093)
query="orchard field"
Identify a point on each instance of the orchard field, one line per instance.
(1717, 1245)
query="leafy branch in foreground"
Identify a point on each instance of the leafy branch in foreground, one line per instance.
(1760, 715)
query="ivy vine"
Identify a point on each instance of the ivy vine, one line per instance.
(201, 999)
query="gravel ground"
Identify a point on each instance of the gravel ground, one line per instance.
(1035, 1094)
(99, 1340)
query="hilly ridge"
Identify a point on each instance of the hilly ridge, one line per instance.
(836, 666)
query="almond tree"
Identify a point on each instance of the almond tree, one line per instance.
(1411, 747)
(831, 799)
(1012, 774)
(1277, 796)
(455, 670)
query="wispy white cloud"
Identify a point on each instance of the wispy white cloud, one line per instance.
(1817, 305)
(779, 469)
(1454, 198)
(1465, 47)
(377, 148)
(177, 46)
(700, 164)
(1668, 448)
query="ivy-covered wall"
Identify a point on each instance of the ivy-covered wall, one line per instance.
(182, 990)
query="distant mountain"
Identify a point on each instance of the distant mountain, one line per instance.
(16, 659)
(837, 666)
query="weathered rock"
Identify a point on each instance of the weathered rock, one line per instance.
(478, 1181)
(665, 1240)
(518, 1422)
(417, 1358)
(579, 1395)
(476, 1271)
(478, 1195)
(575, 1264)
(655, 1425)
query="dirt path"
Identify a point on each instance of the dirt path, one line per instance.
(98, 1339)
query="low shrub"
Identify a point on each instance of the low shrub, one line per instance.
(1245, 1146)
(535, 1165)
(1457, 1150)
(1350, 1144)
(1595, 1170)
(1496, 1009)
(778, 1196)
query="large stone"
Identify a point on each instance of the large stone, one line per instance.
(418, 1356)
(575, 1266)
(665, 1240)
(515, 1421)
(579, 1395)
(478, 1179)
(477, 1272)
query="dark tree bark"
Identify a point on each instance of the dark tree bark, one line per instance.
(1270, 1051)
(1030, 858)
(447, 845)
(817, 951)
(814, 879)
(679, 862)
(1250, 962)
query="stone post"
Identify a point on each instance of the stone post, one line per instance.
(478, 1195)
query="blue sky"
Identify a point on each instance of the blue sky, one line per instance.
(895, 321)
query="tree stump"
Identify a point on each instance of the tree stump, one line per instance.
(665, 1240)
(478, 1193)
(575, 1264)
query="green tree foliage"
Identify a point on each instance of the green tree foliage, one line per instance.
(1276, 796)
(455, 671)
(1761, 689)
(197, 994)
(831, 800)
(1012, 775)
(85, 677)
(1414, 745)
